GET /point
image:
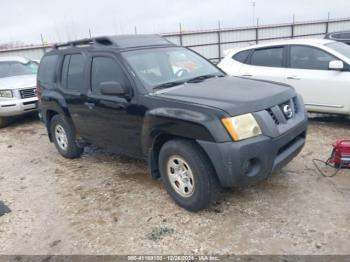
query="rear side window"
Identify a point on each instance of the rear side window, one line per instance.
(271, 57)
(47, 68)
(305, 57)
(75, 76)
(241, 56)
(105, 69)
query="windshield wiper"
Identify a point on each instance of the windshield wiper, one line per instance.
(168, 84)
(201, 78)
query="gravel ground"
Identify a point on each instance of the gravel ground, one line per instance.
(106, 204)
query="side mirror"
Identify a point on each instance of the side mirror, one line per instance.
(112, 88)
(336, 65)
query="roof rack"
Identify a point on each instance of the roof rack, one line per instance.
(84, 42)
(120, 41)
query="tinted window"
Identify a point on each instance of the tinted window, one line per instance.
(105, 69)
(305, 57)
(65, 70)
(341, 35)
(272, 57)
(47, 68)
(340, 48)
(158, 66)
(75, 77)
(241, 56)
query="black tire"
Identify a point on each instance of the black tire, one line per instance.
(206, 187)
(3, 122)
(72, 150)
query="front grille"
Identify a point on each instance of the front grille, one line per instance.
(274, 118)
(295, 103)
(27, 93)
(277, 112)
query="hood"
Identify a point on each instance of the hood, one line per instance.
(234, 95)
(17, 82)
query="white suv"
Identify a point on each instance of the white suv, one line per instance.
(318, 69)
(17, 87)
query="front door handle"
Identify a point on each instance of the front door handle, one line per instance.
(89, 105)
(247, 75)
(293, 77)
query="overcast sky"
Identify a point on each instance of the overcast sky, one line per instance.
(62, 20)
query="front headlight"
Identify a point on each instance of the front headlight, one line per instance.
(242, 127)
(6, 93)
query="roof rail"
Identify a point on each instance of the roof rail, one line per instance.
(86, 41)
(119, 41)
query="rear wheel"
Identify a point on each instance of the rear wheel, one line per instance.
(64, 137)
(188, 175)
(3, 122)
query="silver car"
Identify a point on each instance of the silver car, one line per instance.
(17, 87)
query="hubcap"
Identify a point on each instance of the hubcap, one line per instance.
(61, 137)
(180, 176)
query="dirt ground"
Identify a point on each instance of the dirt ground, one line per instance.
(107, 204)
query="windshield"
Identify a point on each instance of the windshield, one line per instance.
(341, 48)
(161, 66)
(14, 68)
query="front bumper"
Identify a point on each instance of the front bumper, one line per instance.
(251, 160)
(15, 107)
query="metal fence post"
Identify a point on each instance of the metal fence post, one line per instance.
(180, 35)
(293, 26)
(327, 23)
(257, 31)
(219, 40)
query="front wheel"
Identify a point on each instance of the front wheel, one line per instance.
(64, 137)
(188, 175)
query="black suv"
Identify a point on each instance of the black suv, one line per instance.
(143, 96)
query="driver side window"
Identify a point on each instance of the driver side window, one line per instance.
(306, 57)
(105, 69)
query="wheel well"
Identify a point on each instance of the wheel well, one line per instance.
(49, 115)
(153, 155)
(157, 145)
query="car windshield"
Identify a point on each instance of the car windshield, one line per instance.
(341, 48)
(13, 68)
(166, 67)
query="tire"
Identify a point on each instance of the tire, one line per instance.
(63, 136)
(3, 122)
(200, 178)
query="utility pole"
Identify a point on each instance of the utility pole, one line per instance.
(253, 5)
(90, 33)
(135, 30)
(327, 23)
(43, 43)
(42, 39)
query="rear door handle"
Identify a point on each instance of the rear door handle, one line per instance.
(293, 77)
(89, 105)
